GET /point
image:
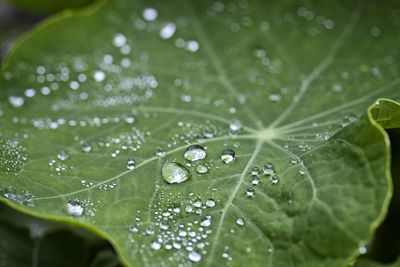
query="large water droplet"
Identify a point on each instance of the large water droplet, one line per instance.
(195, 152)
(175, 173)
(16, 101)
(228, 156)
(194, 256)
(201, 169)
(130, 164)
(255, 181)
(269, 169)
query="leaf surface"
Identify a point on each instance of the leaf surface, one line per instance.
(94, 104)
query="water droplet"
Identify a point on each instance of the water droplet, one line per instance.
(240, 221)
(175, 173)
(235, 125)
(274, 179)
(206, 221)
(99, 76)
(269, 169)
(160, 152)
(201, 169)
(195, 152)
(150, 14)
(275, 97)
(192, 46)
(119, 40)
(155, 245)
(62, 155)
(74, 209)
(133, 229)
(255, 181)
(210, 203)
(250, 192)
(16, 101)
(168, 30)
(130, 164)
(194, 256)
(228, 156)
(255, 171)
(30, 92)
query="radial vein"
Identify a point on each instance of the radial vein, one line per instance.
(232, 197)
(315, 73)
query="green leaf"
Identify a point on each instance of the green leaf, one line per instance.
(47, 6)
(123, 89)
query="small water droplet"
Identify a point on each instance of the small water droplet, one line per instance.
(275, 97)
(206, 221)
(16, 101)
(194, 256)
(269, 169)
(195, 152)
(150, 14)
(130, 164)
(210, 203)
(255, 181)
(274, 179)
(228, 156)
(62, 155)
(240, 221)
(160, 152)
(255, 171)
(168, 30)
(74, 209)
(201, 169)
(155, 245)
(175, 173)
(235, 125)
(250, 192)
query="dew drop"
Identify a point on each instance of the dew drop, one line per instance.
(168, 31)
(192, 46)
(206, 221)
(228, 156)
(175, 173)
(195, 152)
(269, 169)
(275, 97)
(210, 203)
(99, 76)
(250, 192)
(194, 256)
(150, 14)
(201, 169)
(62, 155)
(30, 92)
(155, 245)
(16, 101)
(130, 164)
(274, 179)
(119, 40)
(255, 171)
(160, 152)
(235, 125)
(255, 181)
(74, 209)
(240, 221)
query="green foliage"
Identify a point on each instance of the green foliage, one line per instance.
(47, 6)
(94, 104)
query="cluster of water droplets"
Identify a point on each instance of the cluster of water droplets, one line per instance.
(23, 197)
(13, 155)
(180, 225)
